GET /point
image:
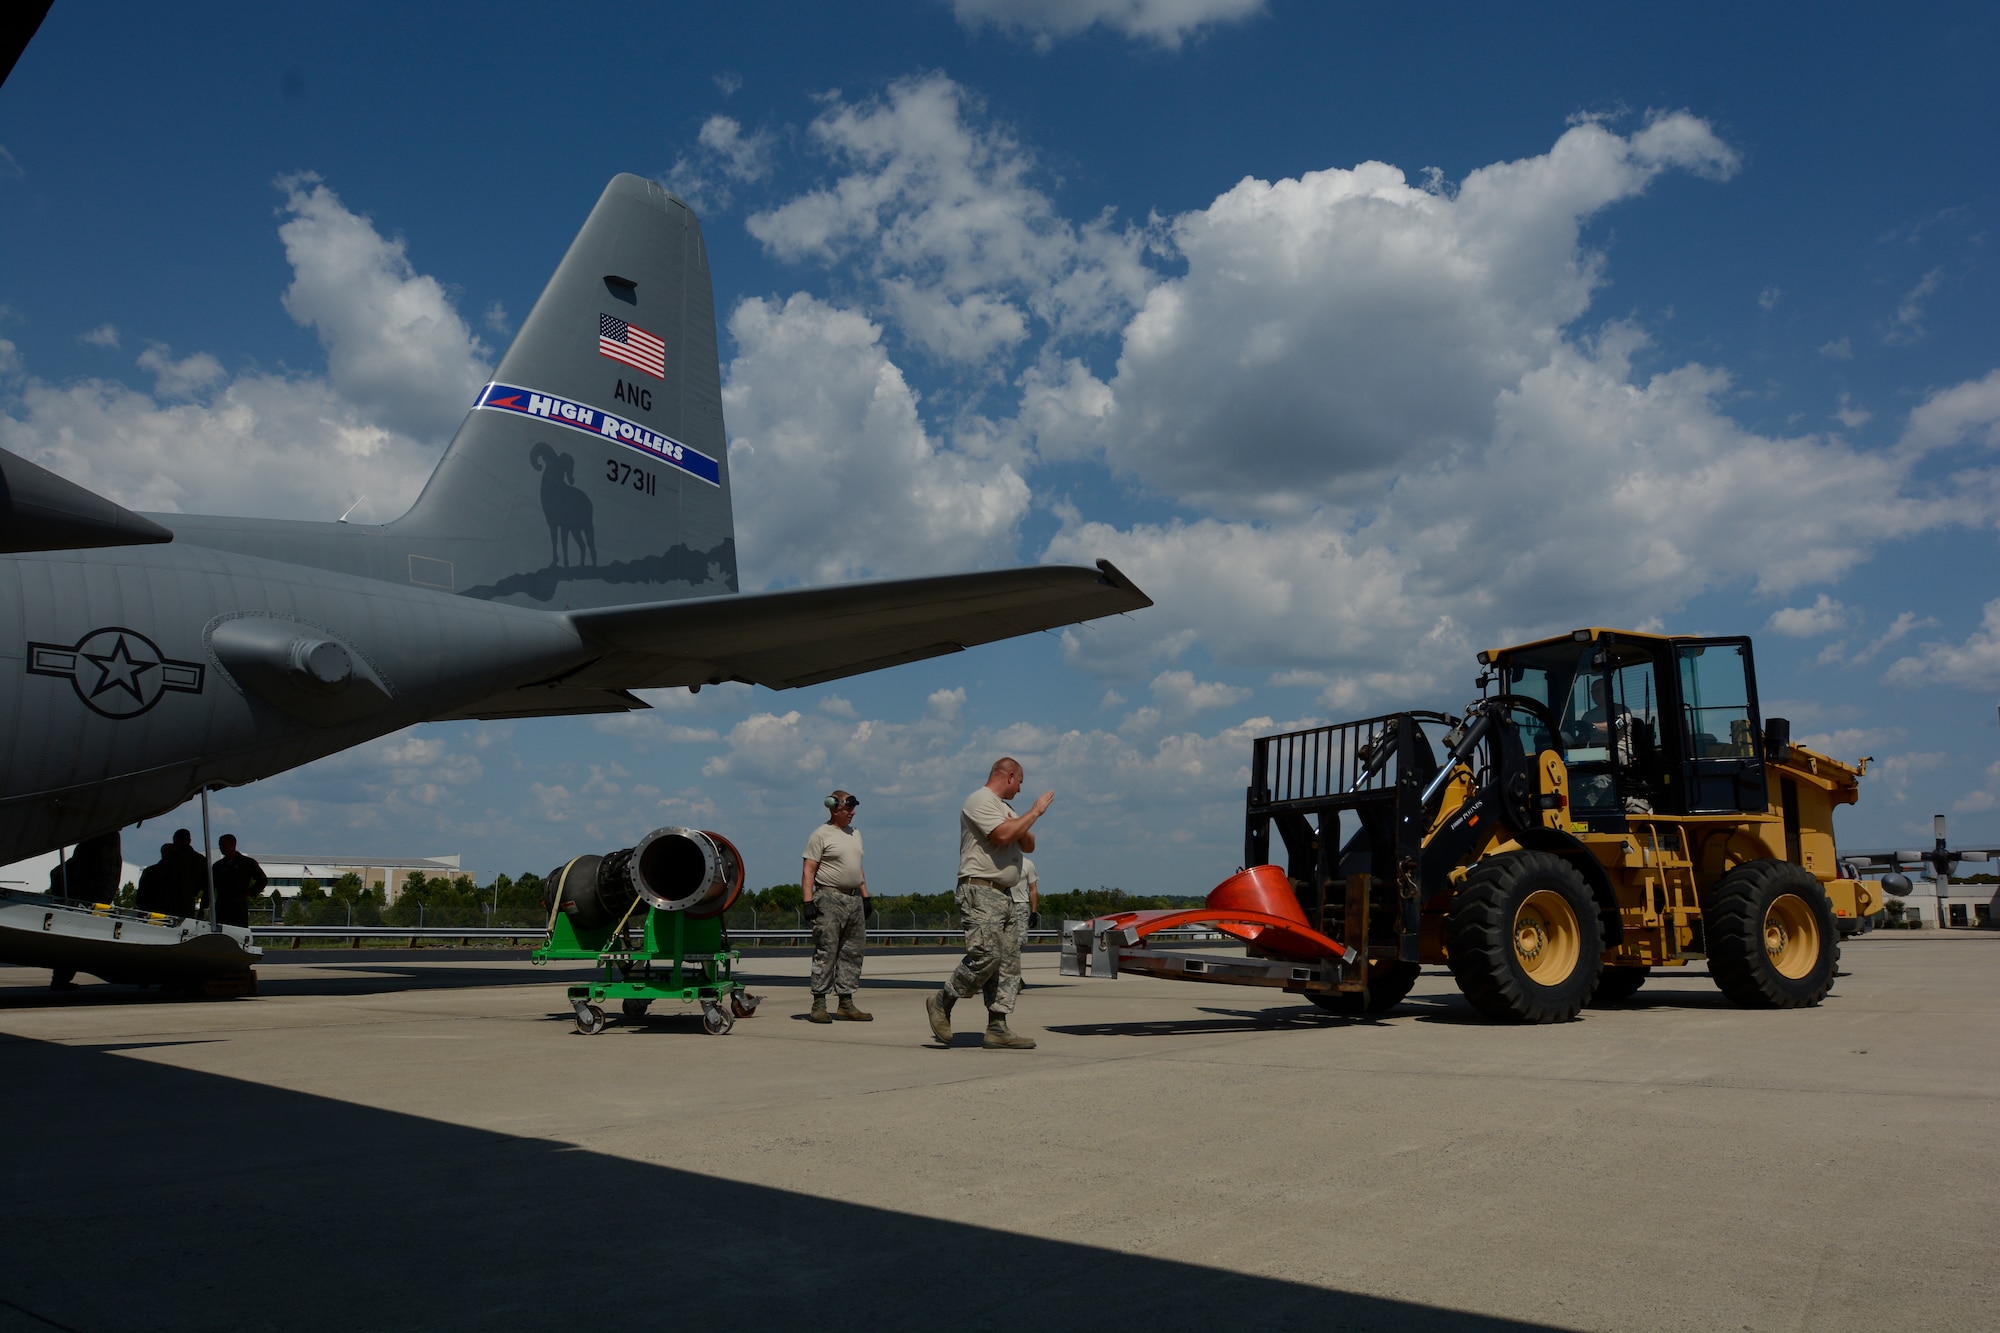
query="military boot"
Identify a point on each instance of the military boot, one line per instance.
(938, 1009)
(850, 1013)
(819, 1013)
(998, 1038)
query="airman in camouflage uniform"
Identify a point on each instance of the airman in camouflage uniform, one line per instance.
(836, 894)
(992, 841)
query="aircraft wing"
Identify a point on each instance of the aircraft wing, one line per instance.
(809, 635)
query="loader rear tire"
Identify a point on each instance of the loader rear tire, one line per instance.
(1772, 941)
(1619, 984)
(1389, 980)
(1523, 938)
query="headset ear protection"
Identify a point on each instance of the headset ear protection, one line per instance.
(831, 803)
(836, 803)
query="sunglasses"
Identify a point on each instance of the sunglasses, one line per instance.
(851, 803)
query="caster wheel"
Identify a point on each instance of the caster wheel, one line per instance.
(716, 1019)
(743, 1003)
(636, 1009)
(589, 1019)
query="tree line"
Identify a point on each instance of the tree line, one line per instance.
(516, 901)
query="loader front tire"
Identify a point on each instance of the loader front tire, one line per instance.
(1389, 980)
(1523, 938)
(1772, 941)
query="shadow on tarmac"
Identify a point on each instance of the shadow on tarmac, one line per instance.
(1300, 1019)
(235, 1205)
(346, 977)
(384, 972)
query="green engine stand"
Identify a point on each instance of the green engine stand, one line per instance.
(677, 958)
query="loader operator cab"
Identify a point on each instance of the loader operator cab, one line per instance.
(1649, 725)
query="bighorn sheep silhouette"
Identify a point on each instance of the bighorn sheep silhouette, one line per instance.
(565, 507)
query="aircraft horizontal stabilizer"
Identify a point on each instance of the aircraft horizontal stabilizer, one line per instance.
(808, 635)
(40, 511)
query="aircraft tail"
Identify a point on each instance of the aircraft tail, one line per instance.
(592, 471)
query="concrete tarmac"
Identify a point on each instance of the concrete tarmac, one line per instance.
(409, 1143)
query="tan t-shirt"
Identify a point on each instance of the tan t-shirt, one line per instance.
(1026, 881)
(978, 858)
(838, 851)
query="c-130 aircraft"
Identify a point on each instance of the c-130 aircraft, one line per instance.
(574, 544)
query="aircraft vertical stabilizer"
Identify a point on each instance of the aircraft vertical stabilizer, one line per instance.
(592, 471)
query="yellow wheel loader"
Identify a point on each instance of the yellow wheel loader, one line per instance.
(1612, 802)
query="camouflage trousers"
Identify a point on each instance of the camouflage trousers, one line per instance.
(992, 962)
(837, 942)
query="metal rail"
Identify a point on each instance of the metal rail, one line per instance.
(412, 934)
(1323, 761)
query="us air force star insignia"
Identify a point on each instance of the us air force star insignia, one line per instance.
(117, 672)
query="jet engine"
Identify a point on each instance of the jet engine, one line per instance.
(674, 869)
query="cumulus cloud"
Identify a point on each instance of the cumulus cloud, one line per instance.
(1984, 797)
(420, 782)
(1110, 784)
(104, 335)
(1334, 330)
(1165, 23)
(835, 473)
(1179, 693)
(179, 379)
(1847, 742)
(1892, 775)
(1645, 494)
(1954, 415)
(1405, 447)
(402, 369)
(1974, 664)
(1824, 616)
(395, 345)
(942, 216)
(723, 156)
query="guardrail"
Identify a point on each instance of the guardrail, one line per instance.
(472, 934)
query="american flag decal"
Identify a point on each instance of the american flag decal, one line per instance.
(632, 345)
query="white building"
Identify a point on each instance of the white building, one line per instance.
(287, 871)
(1954, 906)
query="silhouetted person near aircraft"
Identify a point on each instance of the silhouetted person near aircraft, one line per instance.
(238, 879)
(89, 875)
(155, 889)
(186, 875)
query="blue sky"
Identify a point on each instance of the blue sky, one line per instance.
(1361, 340)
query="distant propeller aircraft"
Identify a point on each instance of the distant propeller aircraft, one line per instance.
(575, 543)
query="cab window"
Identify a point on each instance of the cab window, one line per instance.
(1715, 702)
(1724, 763)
